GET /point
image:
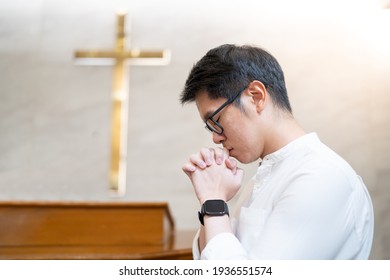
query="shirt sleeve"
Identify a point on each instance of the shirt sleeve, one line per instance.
(224, 246)
(216, 248)
(312, 219)
(195, 246)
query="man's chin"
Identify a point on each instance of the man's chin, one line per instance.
(242, 159)
(239, 158)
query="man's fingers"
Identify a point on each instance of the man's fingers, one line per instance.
(231, 164)
(220, 155)
(197, 160)
(207, 156)
(188, 168)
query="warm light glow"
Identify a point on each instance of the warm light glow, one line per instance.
(122, 11)
(376, 30)
(325, 7)
(385, 4)
(119, 95)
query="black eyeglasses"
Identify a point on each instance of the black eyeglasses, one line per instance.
(214, 126)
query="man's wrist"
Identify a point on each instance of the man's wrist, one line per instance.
(212, 197)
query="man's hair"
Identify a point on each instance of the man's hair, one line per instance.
(227, 69)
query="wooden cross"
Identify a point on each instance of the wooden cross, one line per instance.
(120, 58)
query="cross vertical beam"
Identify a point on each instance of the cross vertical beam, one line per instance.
(118, 163)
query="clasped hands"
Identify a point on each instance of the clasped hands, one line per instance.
(213, 174)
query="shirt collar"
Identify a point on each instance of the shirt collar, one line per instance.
(291, 147)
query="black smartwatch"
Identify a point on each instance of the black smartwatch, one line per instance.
(214, 207)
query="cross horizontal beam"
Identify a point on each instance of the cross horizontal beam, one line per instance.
(134, 53)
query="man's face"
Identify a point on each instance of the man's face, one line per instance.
(239, 128)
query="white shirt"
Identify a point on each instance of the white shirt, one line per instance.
(305, 202)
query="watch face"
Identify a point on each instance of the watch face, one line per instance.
(215, 206)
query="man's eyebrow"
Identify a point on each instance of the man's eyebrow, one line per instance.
(207, 115)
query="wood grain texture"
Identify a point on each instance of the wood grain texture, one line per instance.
(87, 230)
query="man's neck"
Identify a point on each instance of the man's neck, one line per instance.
(283, 131)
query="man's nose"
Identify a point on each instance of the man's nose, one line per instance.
(218, 138)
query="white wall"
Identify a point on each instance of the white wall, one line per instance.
(55, 116)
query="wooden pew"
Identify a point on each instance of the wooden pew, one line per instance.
(90, 230)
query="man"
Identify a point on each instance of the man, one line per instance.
(304, 202)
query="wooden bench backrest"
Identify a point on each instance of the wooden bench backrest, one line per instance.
(84, 224)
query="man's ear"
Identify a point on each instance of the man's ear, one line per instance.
(258, 94)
